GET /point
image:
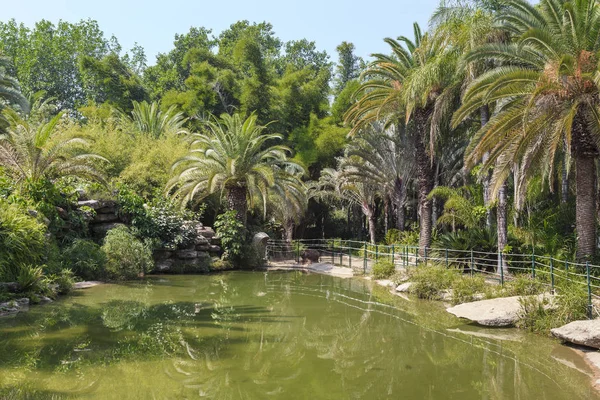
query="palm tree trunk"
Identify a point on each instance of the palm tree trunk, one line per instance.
(585, 154)
(585, 207)
(386, 214)
(425, 180)
(564, 189)
(370, 214)
(502, 223)
(237, 201)
(484, 114)
(398, 199)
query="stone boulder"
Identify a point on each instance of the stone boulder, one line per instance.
(203, 247)
(100, 230)
(12, 287)
(205, 231)
(106, 217)
(502, 311)
(201, 240)
(186, 254)
(403, 288)
(585, 333)
(214, 249)
(86, 284)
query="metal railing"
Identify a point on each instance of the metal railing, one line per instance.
(497, 267)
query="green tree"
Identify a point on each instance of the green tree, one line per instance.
(35, 152)
(109, 80)
(546, 95)
(234, 156)
(148, 119)
(349, 66)
(422, 81)
(46, 58)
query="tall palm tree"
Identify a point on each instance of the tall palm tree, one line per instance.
(421, 81)
(148, 118)
(10, 91)
(33, 151)
(345, 184)
(546, 94)
(383, 156)
(236, 157)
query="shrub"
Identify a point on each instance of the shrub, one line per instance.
(430, 281)
(383, 269)
(22, 240)
(524, 285)
(64, 281)
(126, 256)
(31, 280)
(86, 259)
(221, 265)
(233, 235)
(542, 314)
(465, 288)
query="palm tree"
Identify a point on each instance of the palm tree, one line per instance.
(345, 184)
(546, 94)
(233, 156)
(10, 91)
(383, 157)
(288, 201)
(420, 80)
(148, 118)
(31, 152)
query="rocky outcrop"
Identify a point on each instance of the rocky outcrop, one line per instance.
(403, 288)
(86, 284)
(310, 256)
(584, 333)
(503, 311)
(13, 307)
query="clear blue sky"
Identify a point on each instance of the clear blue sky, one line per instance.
(153, 23)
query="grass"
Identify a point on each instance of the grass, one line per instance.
(383, 269)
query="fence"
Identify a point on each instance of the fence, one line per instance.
(497, 267)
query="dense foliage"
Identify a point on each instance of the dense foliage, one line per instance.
(480, 133)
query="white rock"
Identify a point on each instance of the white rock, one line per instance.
(585, 333)
(502, 311)
(403, 288)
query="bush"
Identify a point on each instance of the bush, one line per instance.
(22, 240)
(383, 269)
(430, 281)
(86, 259)
(31, 280)
(524, 285)
(64, 281)
(542, 314)
(233, 235)
(126, 256)
(465, 288)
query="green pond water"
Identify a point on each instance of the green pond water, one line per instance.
(275, 335)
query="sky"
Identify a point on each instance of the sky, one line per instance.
(153, 24)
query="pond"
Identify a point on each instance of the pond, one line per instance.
(279, 335)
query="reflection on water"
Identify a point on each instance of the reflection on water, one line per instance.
(271, 335)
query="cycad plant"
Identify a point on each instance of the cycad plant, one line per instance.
(236, 157)
(34, 151)
(149, 119)
(546, 94)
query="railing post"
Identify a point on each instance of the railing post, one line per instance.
(349, 255)
(501, 269)
(376, 252)
(393, 255)
(417, 256)
(333, 252)
(365, 259)
(341, 249)
(552, 273)
(425, 254)
(446, 258)
(533, 265)
(471, 262)
(589, 288)
(567, 269)
(297, 252)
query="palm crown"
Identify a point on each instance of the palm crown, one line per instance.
(545, 89)
(234, 156)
